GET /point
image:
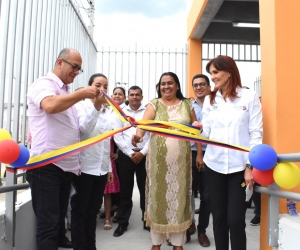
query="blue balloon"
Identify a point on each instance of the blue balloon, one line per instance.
(23, 157)
(263, 157)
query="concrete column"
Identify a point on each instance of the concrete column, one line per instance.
(280, 52)
(194, 63)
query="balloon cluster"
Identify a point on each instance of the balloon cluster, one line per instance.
(266, 168)
(11, 152)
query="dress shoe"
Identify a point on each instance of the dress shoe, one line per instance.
(65, 243)
(192, 228)
(255, 221)
(120, 230)
(203, 240)
(197, 211)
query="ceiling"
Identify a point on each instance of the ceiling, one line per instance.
(215, 25)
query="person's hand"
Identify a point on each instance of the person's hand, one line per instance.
(110, 177)
(114, 156)
(100, 99)
(197, 124)
(249, 177)
(199, 162)
(90, 92)
(136, 157)
(136, 139)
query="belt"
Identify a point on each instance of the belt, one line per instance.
(137, 149)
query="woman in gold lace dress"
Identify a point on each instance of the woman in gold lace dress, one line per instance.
(168, 166)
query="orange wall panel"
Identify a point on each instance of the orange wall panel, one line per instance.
(280, 56)
(280, 53)
(194, 63)
(197, 8)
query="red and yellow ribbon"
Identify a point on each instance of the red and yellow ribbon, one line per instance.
(162, 128)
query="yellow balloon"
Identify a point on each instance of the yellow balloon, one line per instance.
(4, 135)
(286, 175)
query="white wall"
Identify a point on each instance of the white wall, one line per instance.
(289, 233)
(25, 224)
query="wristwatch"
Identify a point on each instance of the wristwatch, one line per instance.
(249, 166)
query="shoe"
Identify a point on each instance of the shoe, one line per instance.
(203, 240)
(192, 228)
(255, 221)
(65, 243)
(197, 211)
(145, 227)
(107, 225)
(120, 230)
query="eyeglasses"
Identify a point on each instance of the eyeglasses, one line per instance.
(201, 84)
(74, 66)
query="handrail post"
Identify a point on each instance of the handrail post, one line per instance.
(10, 213)
(273, 217)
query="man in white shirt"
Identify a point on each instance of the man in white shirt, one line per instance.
(131, 159)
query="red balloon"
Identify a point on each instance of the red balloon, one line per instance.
(264, 178)
(9, 151)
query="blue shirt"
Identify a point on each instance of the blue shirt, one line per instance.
(198, 111)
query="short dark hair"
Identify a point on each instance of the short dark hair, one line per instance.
(201, 76)
(94, 76)
(135, 88)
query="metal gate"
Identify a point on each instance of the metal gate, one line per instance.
(142, 67)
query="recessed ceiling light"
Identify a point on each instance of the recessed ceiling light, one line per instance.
(245, 25)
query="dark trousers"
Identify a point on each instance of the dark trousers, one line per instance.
(195, 175)
(228, 205)
(85, 206)
(204, 208)
(256, 197)
(127, 169)
(50, 190)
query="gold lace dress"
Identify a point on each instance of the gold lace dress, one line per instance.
(168, 166)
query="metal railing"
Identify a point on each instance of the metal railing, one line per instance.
(273, 200)
(33, 32)
(257, 85)
(14, 187)
(142, 67)
(239, 52)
